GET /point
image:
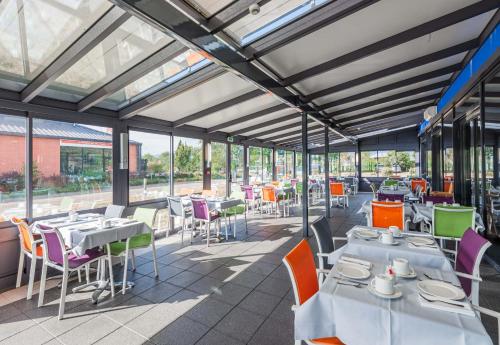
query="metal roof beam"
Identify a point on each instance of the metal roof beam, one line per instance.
(248, 117)
(265, 124)
(231, 14)
(274, 130)
(397, 39)
(218, 107)
(147, 65)
(108, 23)
(384, 116)
(292, 135)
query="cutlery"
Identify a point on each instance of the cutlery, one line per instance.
(433, 299)
(441, 280)
(357, 285)
(349, 280)
(423, 245)
(355, 261)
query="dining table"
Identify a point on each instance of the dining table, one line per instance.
(357, 316)
(85, 232)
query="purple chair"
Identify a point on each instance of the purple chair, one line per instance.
(436, 199)
(251, 198)
(390, 197)
(58, 257)
(470, 252)
(206, 217)
(293, 182)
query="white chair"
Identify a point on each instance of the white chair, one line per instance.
(114, 211)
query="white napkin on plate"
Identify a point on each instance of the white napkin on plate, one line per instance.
(411, 245)
(466, 310)
(351, 260)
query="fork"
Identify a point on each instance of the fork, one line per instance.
(442, 301)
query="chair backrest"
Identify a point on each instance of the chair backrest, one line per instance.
(337, 188)
(418, 182)
(387, 213)
(54, 244)
(175, 207)
(390, 197)
(452, 221)
(438, 199)
(300, 264)
(268, 194)
(321, 230)
(249, 194)
(114, 211)
(390, 183)
(448, 186)
(469, 255)
(25, 235)
(145, 215)
(200, 209)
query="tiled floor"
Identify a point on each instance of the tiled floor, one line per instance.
(233, 293)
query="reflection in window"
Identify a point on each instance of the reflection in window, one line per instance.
(72, 167)
(267, 167)
(218, 173)
(317, 165)
(369, 167)
(237, 164)
(289, 165)
(347, 163)
(12, 167)
(188, 166)
(280, 164)
(298, 164)
(255, 165)
(149, 166)
(333, 158)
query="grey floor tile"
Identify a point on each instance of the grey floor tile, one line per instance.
(160, 292)
(216, 338)
(248, 279)
(166, 272)
(124, 336)
(72, 319)
(33, 335)
(182, 331)
(129, 309)
(232, 293)
(261, 267)
(274, 332)
(90, 332)
(260, 303)
(142, 284)
(240, 324)
(206, 285)
(273, 286)
(184, 279)
(209, 312)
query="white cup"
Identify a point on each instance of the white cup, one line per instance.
(73, 217)
(101, 222)
(384, 284)
(107, 223)
(395, 230)
(387, 238)
(429, 203)
(401, 266)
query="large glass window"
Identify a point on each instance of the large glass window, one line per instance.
(298, 164)
(218, 169)
(149, 166)
(334, 163)
(237, 164)
(255, 164)
(347, 162)
(188, 166)
(448, 146)
(280, 164)
(317, 165)
(72, 167)
(369, 167)
(289, 165)
(12, 166)
(267, 168)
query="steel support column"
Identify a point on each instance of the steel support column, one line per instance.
(327, 172)
(305, 188)
(228, 169)
(120, 176)
(207, 164)
(245, 164)
(28, 182)
(482, 116)
(274, 163)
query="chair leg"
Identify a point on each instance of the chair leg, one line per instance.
(64, 287)
(234, 229)
(207, 228)
(155, 264)
(87, 273)
(41, 293)
(182, 230)
(111, 279)
(32, 277)
(20, 268)
(133, 260)
(125, 268)
(79, 276)
(246, 225)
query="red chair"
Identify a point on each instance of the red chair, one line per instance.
(337, 192)
(388, 213)
(300, 264)
(419, 182)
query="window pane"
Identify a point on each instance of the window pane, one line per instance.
(405, 164)
(267, 170)
(387, 163)
(149, 166)
(188, 166)
(255, 164)
(72, 167)
(298, 164)
(132, 42)
(347, 163)
(334, 163)
(237, 167)
(317, 165)
(280, 164)
(369, 163)
(289, 165)
(35, 32)
(219, 168)
(209, 7)
(12, 166)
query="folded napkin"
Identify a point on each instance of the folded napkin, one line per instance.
(411, 245)
(351, 260)
(465, 310)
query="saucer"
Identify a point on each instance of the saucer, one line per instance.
(397, 293)
(411, 274)
(394, 243)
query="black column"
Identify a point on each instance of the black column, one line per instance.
(120, 176)
(245, 164)
(228, 169)
(482, 120)
(327, 172)
(207, 165)
(305, 189)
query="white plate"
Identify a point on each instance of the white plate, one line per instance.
(366, 233)
(441, 289)
(422, 241)
(371, 287)
(87, 228)
(411, 274)
(352, 271)
(394, 243)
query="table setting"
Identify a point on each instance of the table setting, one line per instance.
(392, 293)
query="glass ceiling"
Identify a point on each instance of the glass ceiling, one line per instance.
(35, 32)
(128, 45)
(272, 16)
(209, 7)
(175, 69)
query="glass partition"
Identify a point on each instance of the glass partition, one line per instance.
(448, 174)
(289, 165)
(188, 166)
(347, 163)
(237, 166)
(12, 166)
(280, 164)
(149, 166)
(267, 160)
(334, 166)
(298, 165)
(317, 165)
(369, 167)
(218, 170)
(255, 165)
(72, 167)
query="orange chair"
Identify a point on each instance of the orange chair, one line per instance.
(270, 198)
(419, 182)
(301, 267)
(388, 213)
(30, 247)
(448, 186)
(337, 193)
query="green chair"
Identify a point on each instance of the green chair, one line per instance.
(451, 222)
(390, 183)
(122, 248)
(237, 210)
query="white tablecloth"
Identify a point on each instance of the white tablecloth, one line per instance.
(399, 191)
(424, 213)
(358, 317)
